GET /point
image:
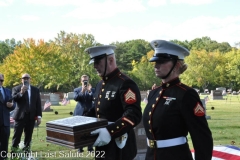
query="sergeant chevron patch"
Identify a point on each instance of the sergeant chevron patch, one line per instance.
(199, 110)
(130, 97)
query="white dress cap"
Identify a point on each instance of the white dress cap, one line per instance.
(167, 50)
(98, 52)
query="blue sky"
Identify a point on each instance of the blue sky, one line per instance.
(121, 20)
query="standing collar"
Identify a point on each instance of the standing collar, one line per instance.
(171, 83)
(110, 75)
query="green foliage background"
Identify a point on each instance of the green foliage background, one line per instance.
(58, 64)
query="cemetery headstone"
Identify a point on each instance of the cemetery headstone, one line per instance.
(229, 91)
(61, 95)
(234, 93)
(223, 89)
(143, 94)
(216, 94)
(45, 98)
(141, 141)
(54, 99)
(205, 92)
(70, 95)
(224, 93)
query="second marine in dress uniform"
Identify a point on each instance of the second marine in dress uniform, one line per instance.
(174, 110)
(117, 99)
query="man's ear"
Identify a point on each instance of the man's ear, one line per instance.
(177, 66)
(111, 60)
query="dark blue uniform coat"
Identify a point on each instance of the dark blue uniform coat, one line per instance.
(174, 110)
(117, 99)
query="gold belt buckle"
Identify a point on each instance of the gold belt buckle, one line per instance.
(152, 143)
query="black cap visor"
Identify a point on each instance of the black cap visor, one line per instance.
(163, 57)
(97, 58)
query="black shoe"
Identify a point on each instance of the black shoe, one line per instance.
(90, 150)
(80, 150)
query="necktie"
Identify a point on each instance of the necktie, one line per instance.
(1, 96)
(28, 105)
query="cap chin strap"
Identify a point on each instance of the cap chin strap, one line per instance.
(174, 63)
(105, 67)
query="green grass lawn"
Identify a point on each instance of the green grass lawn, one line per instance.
(224, 124)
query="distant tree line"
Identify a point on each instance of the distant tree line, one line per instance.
(58, 64)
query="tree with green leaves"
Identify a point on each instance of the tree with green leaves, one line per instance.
(73, 46)
(43, 61)
(7, 47)
(232, 69)
(143, 72)
(128, 51)
(204, 68)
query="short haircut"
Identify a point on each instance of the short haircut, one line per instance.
(84, 76)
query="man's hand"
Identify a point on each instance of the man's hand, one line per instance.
(154, 86)
(39, 121)
(23, 89)
(9, 104)
(103, 137)
(84, 89)
(89, 88)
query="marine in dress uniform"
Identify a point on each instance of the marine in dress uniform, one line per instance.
(173, 111)
(117, 99)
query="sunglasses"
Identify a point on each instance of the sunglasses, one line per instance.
(1, 80)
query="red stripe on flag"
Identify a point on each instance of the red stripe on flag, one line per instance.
(225, 155)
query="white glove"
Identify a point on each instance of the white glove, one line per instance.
(103, 138)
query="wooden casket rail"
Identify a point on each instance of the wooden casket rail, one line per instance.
(74, 132)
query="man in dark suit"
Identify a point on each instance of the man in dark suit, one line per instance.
(84, 97)
(28, 109)
(6, 105)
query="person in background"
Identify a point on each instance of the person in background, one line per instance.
(145, 98)
(174, 110)
(117, 99)
(28, 110)
(84, 97)
(6, 105)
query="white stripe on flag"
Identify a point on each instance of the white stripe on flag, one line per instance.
(226, 149)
